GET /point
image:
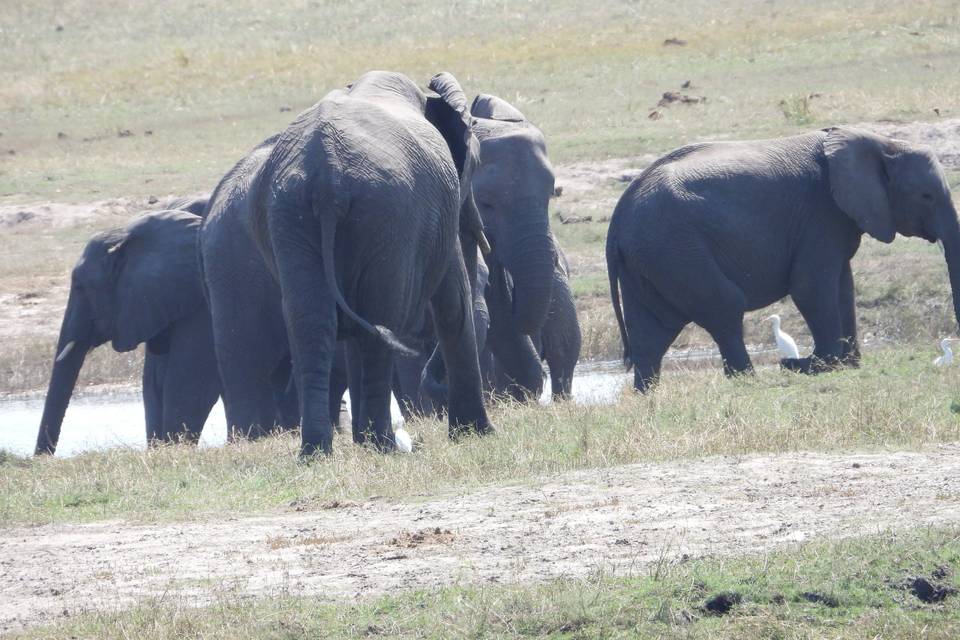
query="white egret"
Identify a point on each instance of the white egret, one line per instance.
(947, 356)
(403, 440)
(786, 344)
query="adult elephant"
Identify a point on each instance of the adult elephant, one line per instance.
(712, 230)
(140, 284)
(512, 189)
(250, 336)
(358, 211)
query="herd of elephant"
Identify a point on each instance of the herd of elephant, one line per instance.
(392, 240)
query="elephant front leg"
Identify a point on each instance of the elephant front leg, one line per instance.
(451, 306)
(191, 382)
(819, 303)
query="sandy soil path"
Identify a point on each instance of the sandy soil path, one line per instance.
(619, 519)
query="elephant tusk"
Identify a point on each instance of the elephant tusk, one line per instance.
(66, 351)
(483, 242)
(940, 245)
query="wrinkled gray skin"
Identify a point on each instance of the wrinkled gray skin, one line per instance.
(557, 342)
(133, 285)
(512, 188)
(358, 211)
(716, 229)
(250, 337)
(196, 206)
(419, 383)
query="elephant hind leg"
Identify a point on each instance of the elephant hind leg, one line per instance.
(560, 385)
(452, 309)
(310, 312)
(717, 304)
(649, 337)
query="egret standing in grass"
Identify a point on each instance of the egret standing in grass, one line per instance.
(403, 440)
(947, 357)
(786, 344)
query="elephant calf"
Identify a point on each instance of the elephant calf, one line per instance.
(712, 230)
(140, 284)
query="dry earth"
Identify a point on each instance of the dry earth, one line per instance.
(620, 520)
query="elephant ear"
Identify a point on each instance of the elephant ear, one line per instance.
(859, 181)
(157, 277)
(448, 112)
(494, 108)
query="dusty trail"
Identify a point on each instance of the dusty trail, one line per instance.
(619, 519)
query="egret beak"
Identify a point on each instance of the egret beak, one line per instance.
(66, 351)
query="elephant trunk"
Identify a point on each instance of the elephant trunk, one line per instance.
(950, 237)
(529, 258)
(71, 351)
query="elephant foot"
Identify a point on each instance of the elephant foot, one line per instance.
(730, 372)
(311, 447)
(383, 442)
(310, 452)
(851, 360)
(480, 428)
(810, 366)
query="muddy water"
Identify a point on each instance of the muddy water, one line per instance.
(98, 421)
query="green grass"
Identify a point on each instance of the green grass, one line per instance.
(208, 81)
(692, 414)
(860, 582)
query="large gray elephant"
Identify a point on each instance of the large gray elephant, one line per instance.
(339, 201)
(140, 284)
(712, 230)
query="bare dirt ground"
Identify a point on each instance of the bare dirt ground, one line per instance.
(620, 520)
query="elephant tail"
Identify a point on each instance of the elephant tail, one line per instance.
(328, 232)
(613, 272)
